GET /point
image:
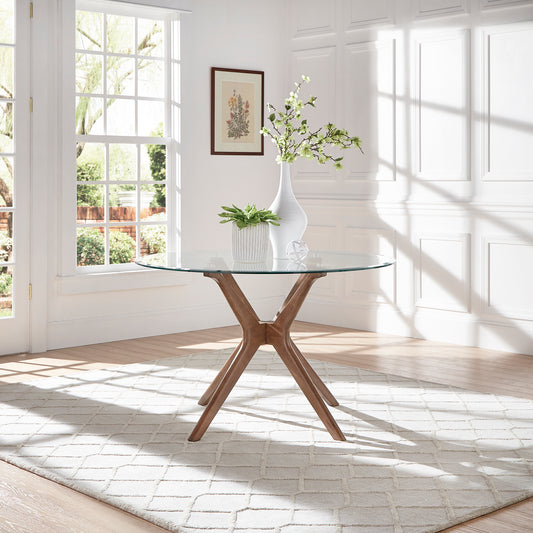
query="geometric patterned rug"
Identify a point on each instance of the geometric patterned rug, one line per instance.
(419, 456)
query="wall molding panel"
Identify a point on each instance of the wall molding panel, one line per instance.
(439, 8)
(507, 108)
(488, 4)
(374, 118)
(320, 65)
(372, 285)
(363, 14)
(443, 272)
(507, 287)
(312, 18)
(441, 108)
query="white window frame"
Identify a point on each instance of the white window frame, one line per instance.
(74, 279)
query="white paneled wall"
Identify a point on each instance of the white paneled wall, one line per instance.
(440, 91)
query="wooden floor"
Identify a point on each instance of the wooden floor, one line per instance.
(29, 503)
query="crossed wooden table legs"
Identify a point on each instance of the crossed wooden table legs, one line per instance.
(255, 334)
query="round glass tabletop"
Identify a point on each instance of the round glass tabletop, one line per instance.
(222, 262)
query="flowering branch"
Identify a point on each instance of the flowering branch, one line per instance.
(291, 134)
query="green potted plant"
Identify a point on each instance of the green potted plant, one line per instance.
(294, 137)
(249, 231)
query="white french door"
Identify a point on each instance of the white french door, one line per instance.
(15, 144)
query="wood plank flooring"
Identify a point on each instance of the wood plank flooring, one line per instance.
(31, 504)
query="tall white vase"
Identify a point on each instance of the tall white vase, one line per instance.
(293, 218)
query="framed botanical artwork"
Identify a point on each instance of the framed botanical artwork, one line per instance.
(237, 104)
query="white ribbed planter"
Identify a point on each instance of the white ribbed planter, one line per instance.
(250, 244)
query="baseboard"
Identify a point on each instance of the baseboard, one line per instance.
(456, 328)
(94, 330)
(453, 327)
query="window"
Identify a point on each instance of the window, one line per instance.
(126, 70)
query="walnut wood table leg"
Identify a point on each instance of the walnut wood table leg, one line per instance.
(204, 400)
(242, 359)
(320, 385)
(308, 388)
(257, 333)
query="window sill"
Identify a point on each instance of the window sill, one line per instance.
(118, 281)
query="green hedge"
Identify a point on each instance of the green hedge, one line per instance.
(91, 247)
(6, 244)
(6, 284)
(155, 237)
(121, 248)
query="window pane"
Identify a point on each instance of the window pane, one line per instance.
(89, 30)
(150, 38)
(6, 69)
(89, 112)
(91, 246)
(89, 73)
(151, 116)
(6, 292)
(120, 75)
(122, 203)
(153, 202)
(7, 33)
(153, 239)
(122, 162)
(175, 31)
(122, 245)
(6, 237)
(6, 182)
(6, 126)
(120, 34)
(90, 166)
(90, 162)
(153, 162)
(120, 117)
(151, 78)
(176, 89)
(90, 203)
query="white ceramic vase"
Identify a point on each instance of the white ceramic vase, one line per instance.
(293, 218)
(250, 244)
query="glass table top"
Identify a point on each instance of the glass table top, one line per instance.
(222, 262)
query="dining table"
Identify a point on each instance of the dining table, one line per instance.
(220, 267)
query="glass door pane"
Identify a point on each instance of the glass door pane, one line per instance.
(7, 165)
(14, 176)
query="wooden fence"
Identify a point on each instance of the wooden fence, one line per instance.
(4, 221)
(116, 214)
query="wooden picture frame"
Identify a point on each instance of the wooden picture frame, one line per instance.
(237, 111)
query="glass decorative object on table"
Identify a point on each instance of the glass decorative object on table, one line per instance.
(297, 251)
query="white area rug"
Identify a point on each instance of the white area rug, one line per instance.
(419, 456)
